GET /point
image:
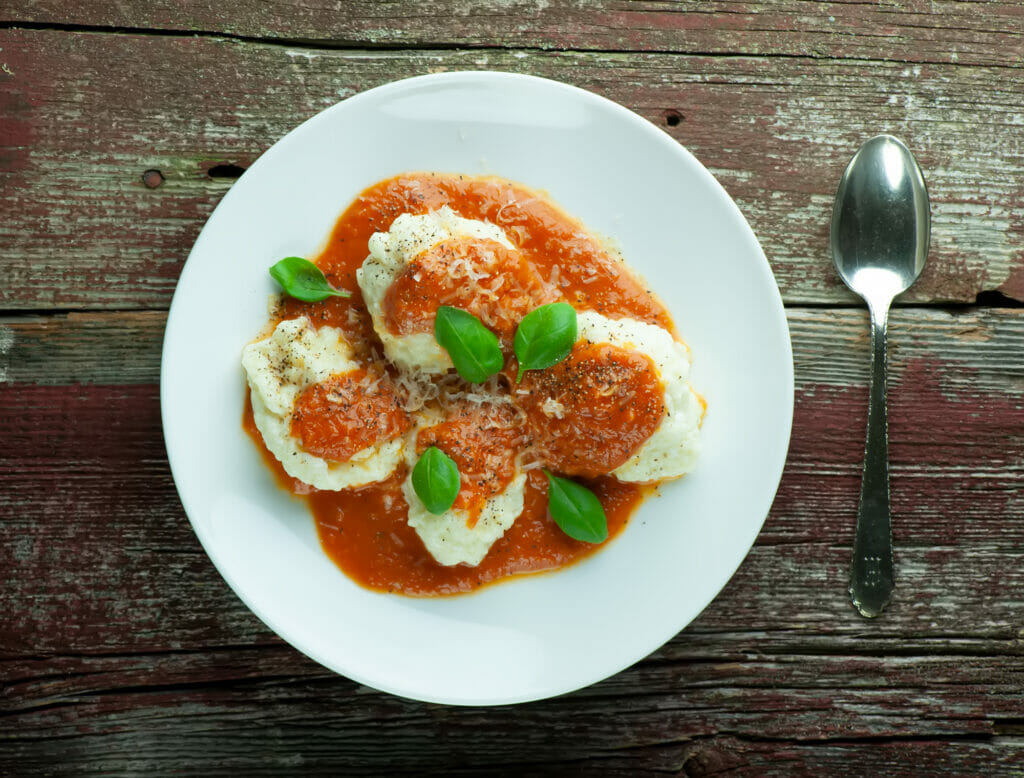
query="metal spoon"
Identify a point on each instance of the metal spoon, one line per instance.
(880, 231)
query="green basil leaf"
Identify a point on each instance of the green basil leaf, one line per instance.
(545, 337)
(473, 348)
(303, 280)
(576, 510)
(436, 481)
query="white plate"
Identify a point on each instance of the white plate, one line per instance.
(536, 636)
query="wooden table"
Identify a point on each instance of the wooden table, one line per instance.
(123, 651)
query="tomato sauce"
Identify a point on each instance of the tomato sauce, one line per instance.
(364, 530)
(483, 441)
(336, 418)
(385, 553)
(505, 286)
(590, 412)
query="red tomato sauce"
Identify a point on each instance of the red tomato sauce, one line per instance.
(364, 530)
(336, 418)
(608, 401)
(511, 286)
(483, 442)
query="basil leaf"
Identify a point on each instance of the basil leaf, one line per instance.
(303, 280)
(436, 481)
(473, 348)
(544, 337)
(576, 510)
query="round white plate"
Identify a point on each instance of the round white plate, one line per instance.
(535, 636)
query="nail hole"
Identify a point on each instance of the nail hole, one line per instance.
(995, 299)
(672, 118)
(152, 178)
(225, 171)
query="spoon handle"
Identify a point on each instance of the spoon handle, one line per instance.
(871, 576)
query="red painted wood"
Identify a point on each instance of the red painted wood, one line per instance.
(118, 625)
(121, 649)
(952, 32)
(85, 116)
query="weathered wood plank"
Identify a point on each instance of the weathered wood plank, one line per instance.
(100, 707)
(83, 116)
(104, 712)
(123, 651)
(311, 751)
(956, 411)
(977, 347)
(94, 348)
(944, 31)
(956, 421)
(784, 622)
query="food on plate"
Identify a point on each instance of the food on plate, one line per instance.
(473, 349)
(486, 441)
(303, 280)
(545, 337)
(440, 258)
(619, 404)
(467, 385)
(331, 423)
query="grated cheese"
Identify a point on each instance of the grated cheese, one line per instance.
(551, 407)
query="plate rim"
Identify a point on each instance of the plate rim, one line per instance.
(380, 92)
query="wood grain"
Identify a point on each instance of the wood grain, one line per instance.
(944, 31)
(84, 116)
(124, 651)
(82, 348)
(706, 713)
(956, 408)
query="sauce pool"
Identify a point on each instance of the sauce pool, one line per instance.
(364, 532)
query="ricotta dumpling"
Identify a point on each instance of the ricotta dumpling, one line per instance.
(486, 442)
(620, 404)
(440, 258)
(330, 423)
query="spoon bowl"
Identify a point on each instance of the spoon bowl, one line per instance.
(879, 241)
(880, 222)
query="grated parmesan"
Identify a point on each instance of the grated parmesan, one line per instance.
(551, 407)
